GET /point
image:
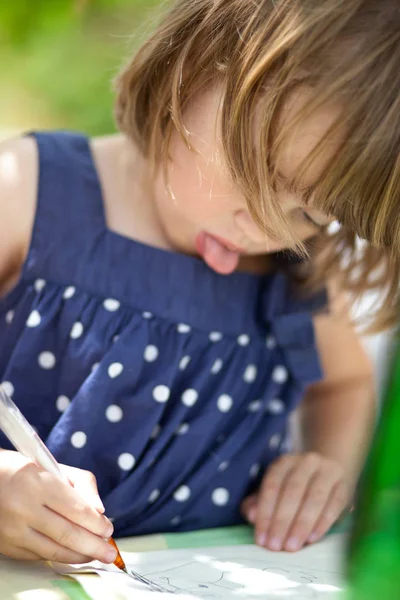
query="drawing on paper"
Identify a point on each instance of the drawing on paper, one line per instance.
(213, 578)
(228, 573)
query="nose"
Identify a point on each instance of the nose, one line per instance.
(249, 227)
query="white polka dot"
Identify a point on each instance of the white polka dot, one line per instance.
(286, 445)
(183, 363)
(9, 317)
(115, 369)
(8, 388)
(276, 406)
(274, 441)
(250, 374)
(78, 439)
(279, 374)
(34, 319)
(215, 336)
(95, 366)
(176, 520)
(126, 461)
(189, 397)
(161, 393)
(62, 403)
(150, 353)
(254, 471)
(76, 331)
(115, 338)
(156, 432)
(154, 495)
(270, 342)
(39, 284)
(69, 292)
(217, 366)
(47, 360)
(243, 340)
(223, 466)
(224, 403)
(114, 413)
(182, 493)
(255, 406)
(147, 315)
(111, 305)
(220, 496)
(182, 429)
(183, 328)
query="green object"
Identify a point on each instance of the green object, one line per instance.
(374, 556)
(207, 538)
(227, 536)
(71, 588)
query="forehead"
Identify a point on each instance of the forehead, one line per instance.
(299, 135)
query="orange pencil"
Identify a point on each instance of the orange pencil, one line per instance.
(119, 561)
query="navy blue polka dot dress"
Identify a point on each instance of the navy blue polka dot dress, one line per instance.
(171, 383)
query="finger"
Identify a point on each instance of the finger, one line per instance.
(20, 553)
(249, 508)
(85, 484)
(48, 549)
(67, 502)
(72, 537)
(269, 493)
(293, 491)
(334, 507)
(309, 511)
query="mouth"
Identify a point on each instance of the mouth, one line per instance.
(220, 254)
(228, 245)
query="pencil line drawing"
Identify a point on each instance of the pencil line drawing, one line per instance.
(231, 573)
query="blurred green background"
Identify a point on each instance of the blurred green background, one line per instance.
(58, 58)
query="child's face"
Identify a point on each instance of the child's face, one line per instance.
(204, 213)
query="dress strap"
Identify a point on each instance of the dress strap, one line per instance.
(294, 333)
(289, 318)
(69, 203)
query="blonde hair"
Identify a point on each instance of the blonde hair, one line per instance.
(347, 51)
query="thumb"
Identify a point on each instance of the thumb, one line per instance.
(249, 508)
(84, 482)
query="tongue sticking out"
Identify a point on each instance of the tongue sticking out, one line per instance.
(217, 256)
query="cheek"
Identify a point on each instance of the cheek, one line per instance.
(245, 222)
(186, 179)
(197, 184)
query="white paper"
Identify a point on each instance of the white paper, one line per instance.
(225, 573)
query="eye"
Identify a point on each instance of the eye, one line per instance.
(304, 216)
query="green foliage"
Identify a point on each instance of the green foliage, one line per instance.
(59, 58)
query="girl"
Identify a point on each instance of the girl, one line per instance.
(156, 327)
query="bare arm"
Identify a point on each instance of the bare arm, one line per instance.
(18, 191)
(338, 413)
(303, 494)
(40, 516)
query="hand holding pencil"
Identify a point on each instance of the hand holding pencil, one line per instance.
(47, 511)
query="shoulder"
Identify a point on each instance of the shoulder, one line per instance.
(18, 193)
(18, 169)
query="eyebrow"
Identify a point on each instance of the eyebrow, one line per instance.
(289, 186)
